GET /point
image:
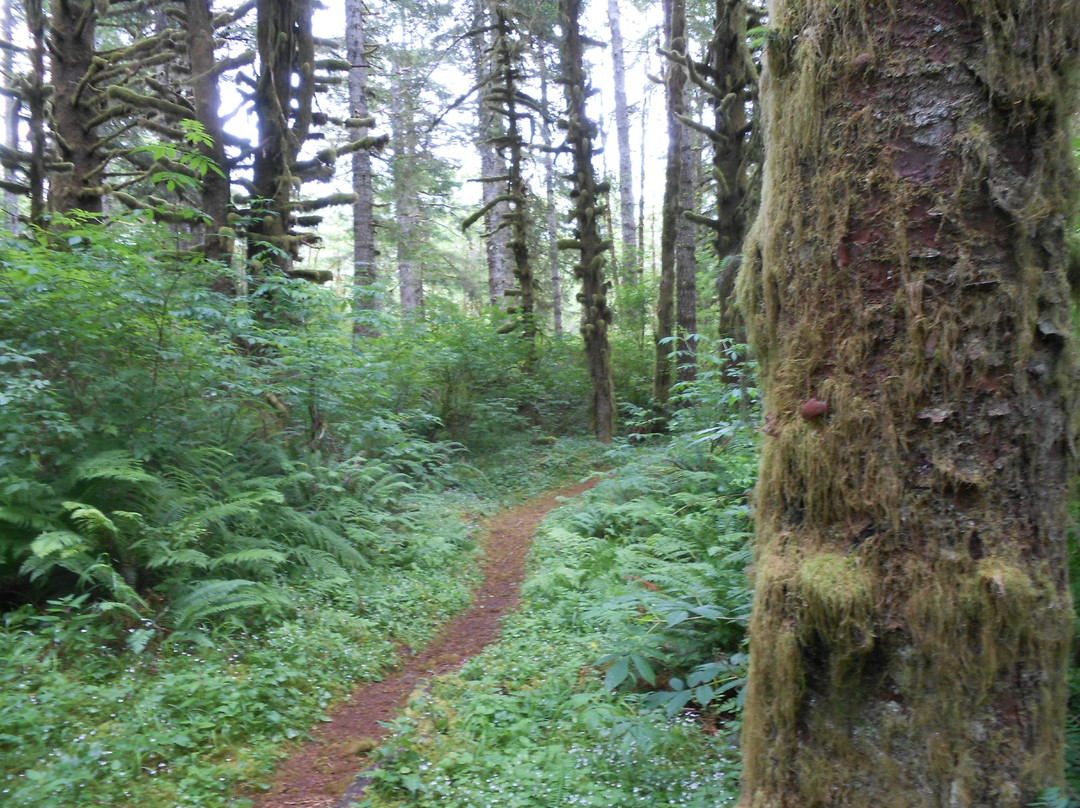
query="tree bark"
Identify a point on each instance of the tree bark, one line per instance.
(552, 212)
(406, 207)
(506, 57)
(206, 99)
(286, 52)
(492, 165)
(365, 271)
(675, 40)
(12, 104)
(733, 75)
(905, 283)
(686, 261)
(631, 260)
(71, 37)
(35, 97)
(596, 314)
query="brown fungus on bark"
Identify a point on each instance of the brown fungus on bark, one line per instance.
(813, 408)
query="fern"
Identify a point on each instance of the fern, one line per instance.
(211, 598)
(116, 465)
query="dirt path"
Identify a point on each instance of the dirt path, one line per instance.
(322, 772)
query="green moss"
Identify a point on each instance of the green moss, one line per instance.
(836, 590)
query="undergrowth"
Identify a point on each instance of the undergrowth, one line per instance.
(617, 681)
(217, 512)
(102, 708)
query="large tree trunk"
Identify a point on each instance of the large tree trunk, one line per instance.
(675, 40)
(286, 54)
(364, 269)
(596, 314)
(207, 102)
(732, 73)
(631, 261)
(71, 38)
(503, 96)
(906, 287)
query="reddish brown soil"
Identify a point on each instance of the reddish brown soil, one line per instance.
(322, 773)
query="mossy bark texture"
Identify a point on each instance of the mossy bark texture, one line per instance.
(671, 218)
(596, 315)
(283, 96)
(905, 286)
(71, 36)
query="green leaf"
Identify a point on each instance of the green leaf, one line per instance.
(678, 701)
(644, 668)
(675, 618)
(703, 694)
(617, 673)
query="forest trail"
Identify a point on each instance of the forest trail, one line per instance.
(323, 772)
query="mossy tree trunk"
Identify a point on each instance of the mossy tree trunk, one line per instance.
(505, 98)
(492, 167)
(588, 209)
(905, 285)
(77, 185)
(551, 211)
(283, 94)
(675, 41)
(206, 99)
(729, 78)
(35, 94)
(686, 266)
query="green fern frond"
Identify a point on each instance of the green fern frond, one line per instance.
(102, 573)
(307, 531)
(116, 464)
(254, 556)
(24, 517)
(61, 543)
(91, 521)
(164, 557)
(215, 597)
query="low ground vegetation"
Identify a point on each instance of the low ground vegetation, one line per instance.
(617, 682)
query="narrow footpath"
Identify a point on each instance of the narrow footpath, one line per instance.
(323, 772)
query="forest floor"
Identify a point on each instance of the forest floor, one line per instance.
(323, 772)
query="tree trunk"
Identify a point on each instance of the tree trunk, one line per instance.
(905, 284)
(552, 211)
(596, 314)
(12, 103)
(733, 74)
(286, 52)
(365, 273)
(207, 102)
(631, 260)
(507, 63)
(71, 37)
(686, 261)
(406, 207)
(492, 165)
(675, 40)
(35, 96)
